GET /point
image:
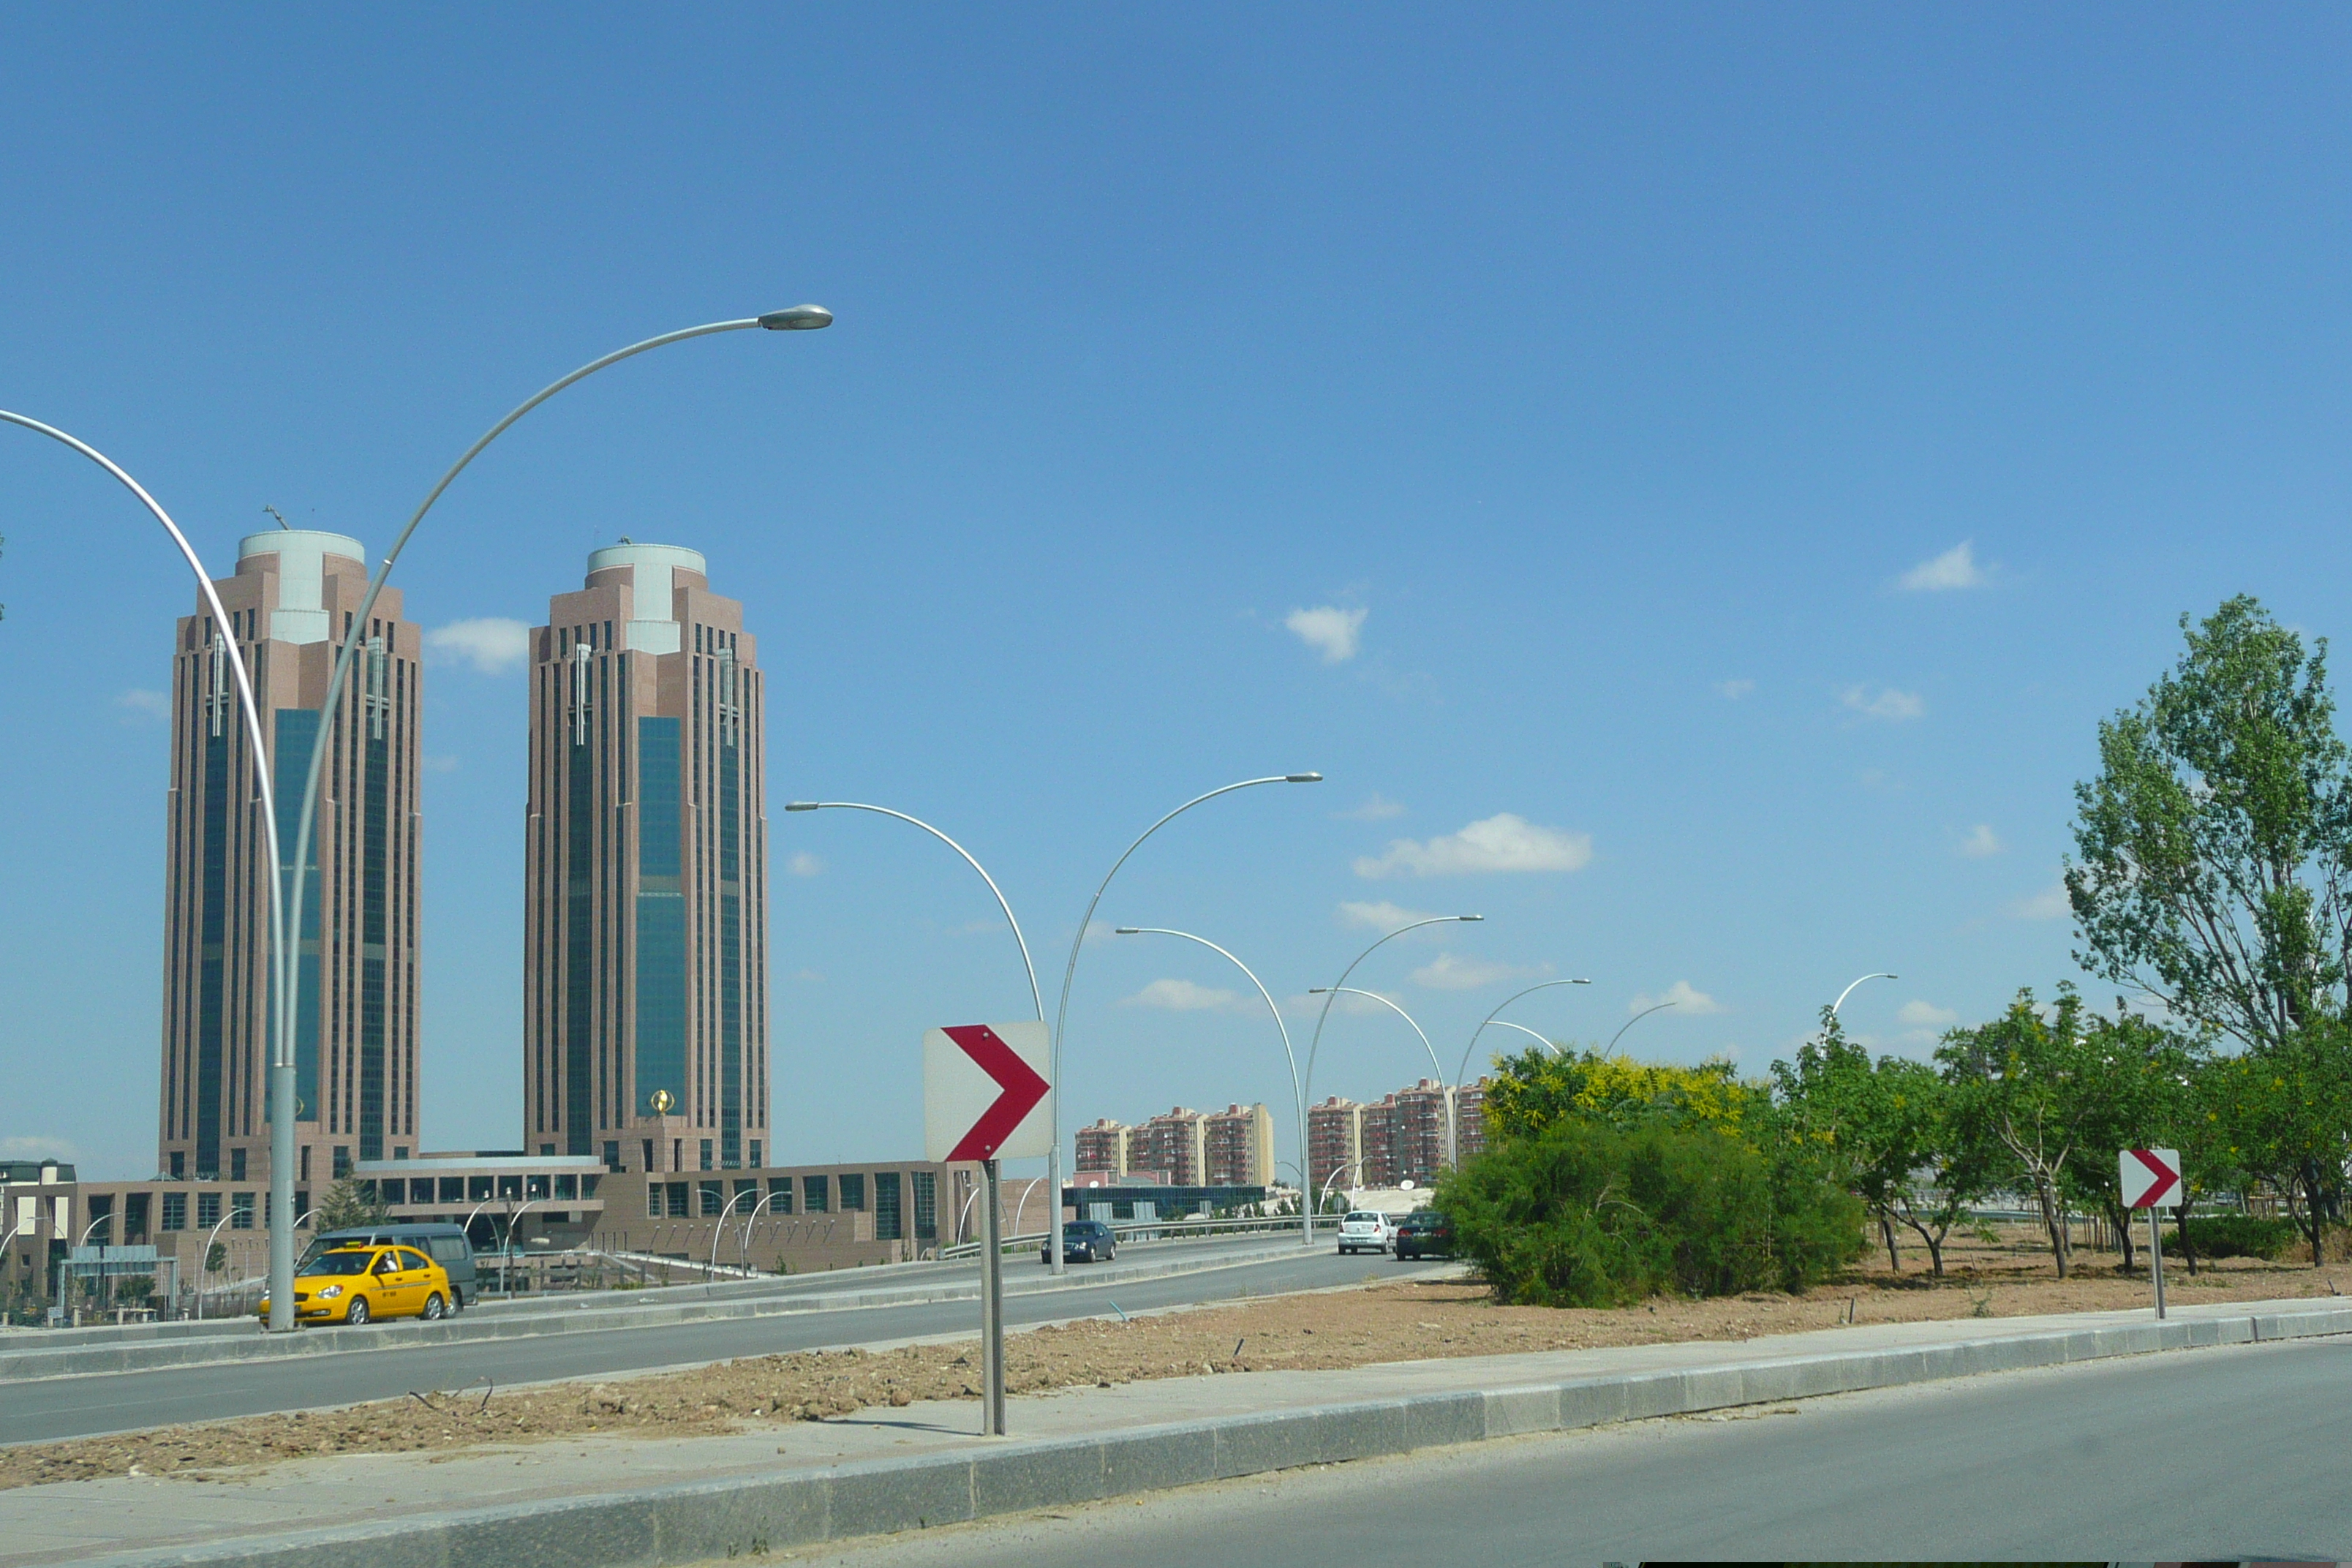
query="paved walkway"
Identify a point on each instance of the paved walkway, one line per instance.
(89, 1520)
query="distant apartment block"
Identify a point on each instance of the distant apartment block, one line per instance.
(1400, 1137)
(1238, 1146)
(1103, 1146)
(1175, 1144)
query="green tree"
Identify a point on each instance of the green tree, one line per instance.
(2135, 1081)
(2023, 1081)
(2286, 1110)
(1587, 1214)
(1531, 1090)
(1888, 1128)
(2214, 844)
(348, 1204)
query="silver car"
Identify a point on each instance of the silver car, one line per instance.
(1367, 1230)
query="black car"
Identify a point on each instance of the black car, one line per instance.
(1083, 1241)
(1424, 1232)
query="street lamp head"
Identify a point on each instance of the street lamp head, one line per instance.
(1319, 991)
(1127, 931)
(801, 804)
(1469, 917)
(1580, 983)
(1302, 778)
(799, 318)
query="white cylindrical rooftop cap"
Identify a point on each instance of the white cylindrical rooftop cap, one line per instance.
(675, 556)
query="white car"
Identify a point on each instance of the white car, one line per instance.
(1367, 1230)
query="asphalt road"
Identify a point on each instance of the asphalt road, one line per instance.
(46, 1409)
(2232, 1454)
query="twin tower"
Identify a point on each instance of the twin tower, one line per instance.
(645, 943)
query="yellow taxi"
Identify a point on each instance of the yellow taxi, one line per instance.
(357, 1284)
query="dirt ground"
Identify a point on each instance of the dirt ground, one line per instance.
(1378, 1322)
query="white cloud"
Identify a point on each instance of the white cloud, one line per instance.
(1980, 842)
(438, 764)
(804, 863)
(2050, 904)
(1733, 691)
(1888, 704)
(145, 704)
(1184, 996)
(1381, 916)
(1450, 971)
(811, 975)
(491, 644)
(1687, 998)
(36, 1147)
(1916, 1014)
(1377, 807)
(1504, 842)
(1955, 568)
(1330, 631)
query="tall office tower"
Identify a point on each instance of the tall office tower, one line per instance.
(290, 607)
(645, 964)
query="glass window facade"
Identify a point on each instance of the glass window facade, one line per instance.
(816, 1197)
(853, 1191)
(175, 1211)
(661, 919)
(885, 1206)
(927, 1206)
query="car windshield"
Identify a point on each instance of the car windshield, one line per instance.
(1425, 1217)
(341, 1263)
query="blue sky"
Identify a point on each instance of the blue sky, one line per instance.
(1693, 480)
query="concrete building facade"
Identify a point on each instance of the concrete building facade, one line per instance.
(646, 990)
(1237, 1147)
(291, 606)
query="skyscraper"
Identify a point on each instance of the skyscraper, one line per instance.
(290, 607)
(645, 996)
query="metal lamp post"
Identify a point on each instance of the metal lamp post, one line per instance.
(1340, 984)
(991, 1271)
(1629, 1022)
(1069, 973)
(1849, 991)
(1434, 1066)
(1462, 1073)
(1298, 1085)
(800, 318)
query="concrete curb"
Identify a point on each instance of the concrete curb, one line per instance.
(694, 1522)
(214, 1348)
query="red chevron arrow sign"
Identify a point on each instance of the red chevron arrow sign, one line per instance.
(985, 1096)
(2151, 1178)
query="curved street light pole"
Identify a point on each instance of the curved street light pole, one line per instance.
(206, 1257)
(1354, 991)
(506, 1253)
(1070, 970)
(281, 1302)
(1462, 1073)
(1035, 996)
(1298, 1085)
(1849, 991)
(991, 1284)
(281, 1066)
(1341, 983)
(1540, 1039)
(1629, 1022)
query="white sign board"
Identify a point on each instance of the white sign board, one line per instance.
(986, 1094)
(2151, 1178)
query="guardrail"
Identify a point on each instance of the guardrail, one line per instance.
(1138, 1230)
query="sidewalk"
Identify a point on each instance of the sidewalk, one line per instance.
(587, 1503)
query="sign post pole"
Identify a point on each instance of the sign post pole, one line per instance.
(2151, 1180)
(992, 1291)
(986, 1099)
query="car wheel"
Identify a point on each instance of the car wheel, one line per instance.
(357, 1312)
(435, 1308)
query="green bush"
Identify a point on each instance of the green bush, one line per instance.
(2239, 1235)
(1584, 1214)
